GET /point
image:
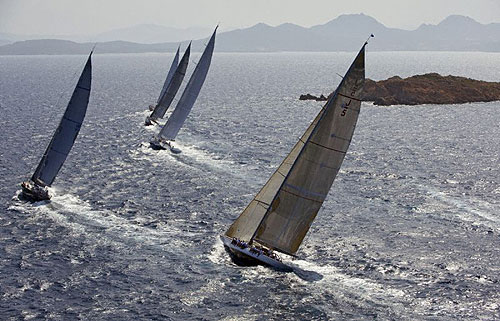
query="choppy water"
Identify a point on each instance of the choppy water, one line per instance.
(410, 230)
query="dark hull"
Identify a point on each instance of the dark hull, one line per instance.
(241, 259)
(33, 193)
(156, 146)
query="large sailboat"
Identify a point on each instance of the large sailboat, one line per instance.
(62, 140)
(174, 123)
(280, 215)
(170, 87)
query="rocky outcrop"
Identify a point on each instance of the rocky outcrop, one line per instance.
(312, 97)
(428, 89)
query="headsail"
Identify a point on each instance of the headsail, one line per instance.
(282, 212)
(246, 224)
(67, 131)
(173, 86)
(190, 94)
(170, 74)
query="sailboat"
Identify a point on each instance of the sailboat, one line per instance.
(167, 134)
(170, 87)
(280, 215)
(62, 140)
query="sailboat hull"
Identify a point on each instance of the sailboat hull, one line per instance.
(33, 192)
(156, 144)
(245, 257)
(149, 121)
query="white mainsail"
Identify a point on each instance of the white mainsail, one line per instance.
(282, 212)
(190, 94)
(172, 87)
(67, 131)
(170, 74)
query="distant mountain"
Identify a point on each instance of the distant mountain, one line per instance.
(344, 33)
(150, 33)
(347, 32)
(66, 47)
(143, 33)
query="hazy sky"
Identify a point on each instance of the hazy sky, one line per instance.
(94, 16)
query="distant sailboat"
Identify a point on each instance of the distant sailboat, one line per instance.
(174, 123)
(280, 215)
(62, 141)
(170, 87)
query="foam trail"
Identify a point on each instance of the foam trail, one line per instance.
(69, 211)
(467, 209)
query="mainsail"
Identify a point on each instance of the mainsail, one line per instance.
(67, 131)
(188, 98)
(282, 212)
(173, 86)
(170, 74)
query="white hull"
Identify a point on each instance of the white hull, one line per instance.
(247, 257)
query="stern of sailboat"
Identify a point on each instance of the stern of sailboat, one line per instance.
(33, 192)
(248, 255)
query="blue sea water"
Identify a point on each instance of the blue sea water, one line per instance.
(409, 231)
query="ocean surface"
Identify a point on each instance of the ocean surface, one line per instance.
(409, 231)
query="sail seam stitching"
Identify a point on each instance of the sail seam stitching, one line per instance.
(71, 120)
(54, 150)
(262, 202)
(349, 97)
(87, 89)
(333, 149)
(307, 198)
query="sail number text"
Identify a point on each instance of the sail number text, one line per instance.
(345, 106)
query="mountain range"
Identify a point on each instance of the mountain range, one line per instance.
(344, 33)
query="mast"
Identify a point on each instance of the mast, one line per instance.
(173, 86)
(67, 131)
(170, 74)
(190, 94)
(282, 212)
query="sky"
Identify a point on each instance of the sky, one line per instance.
(76, 17)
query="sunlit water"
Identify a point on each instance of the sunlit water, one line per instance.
(410, 229)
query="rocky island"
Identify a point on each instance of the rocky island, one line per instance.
(430, 88)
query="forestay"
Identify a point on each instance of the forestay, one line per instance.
(190, 94)
(173, 86)
(282, 212)
(67, 131)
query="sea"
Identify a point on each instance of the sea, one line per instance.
(409, 231)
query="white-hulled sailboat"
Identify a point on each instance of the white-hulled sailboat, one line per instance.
(170, 87)
(174, 123)
(62, 140)
(280, 215)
